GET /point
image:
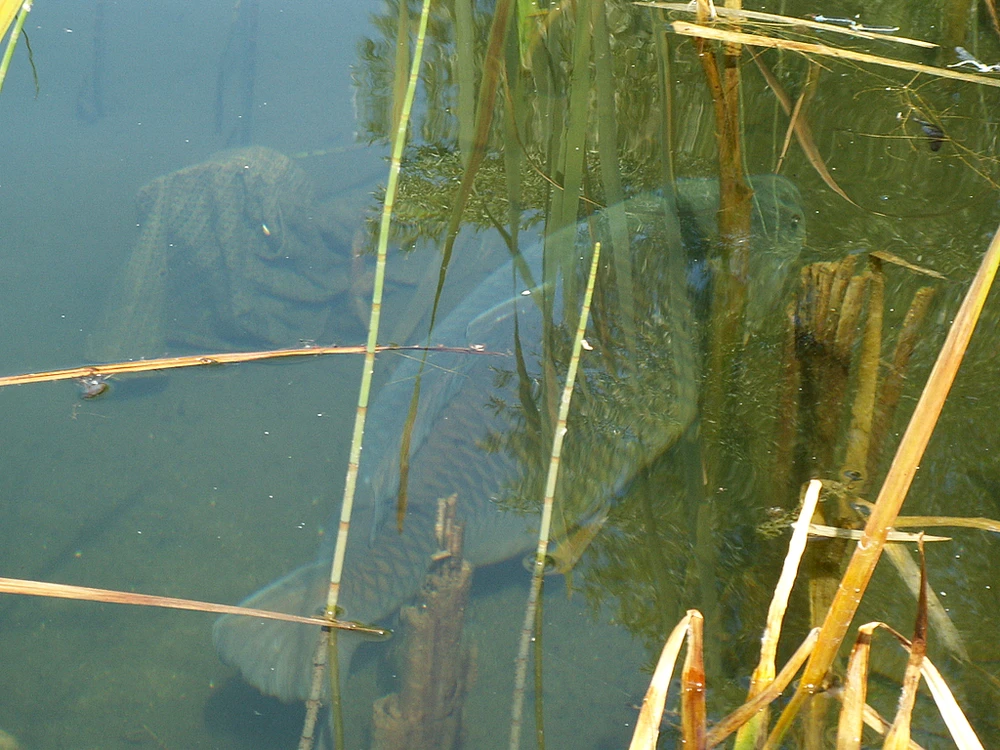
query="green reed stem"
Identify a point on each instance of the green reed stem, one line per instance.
(607, 148)
(565, 203)
(465, 52)
(350, 483)
(521, 663)
(351, 480)
(8, 53)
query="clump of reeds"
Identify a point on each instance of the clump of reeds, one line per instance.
(823, 644)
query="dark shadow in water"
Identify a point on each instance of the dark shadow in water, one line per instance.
(239, 711)
(88, 535)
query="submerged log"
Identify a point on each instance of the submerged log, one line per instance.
(426, 713)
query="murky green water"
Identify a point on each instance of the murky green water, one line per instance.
(210, 483)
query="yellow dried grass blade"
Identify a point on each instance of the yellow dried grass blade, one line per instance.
(763, 675)
(983, 524)
(21, 10)
(647, 726)
(836, 532)
(8, 9)
(896, 484)
(875, 721)
(744, 713)
(855, 693)
(898, 736)
(955, 719)
(754, 15)
(755, 40)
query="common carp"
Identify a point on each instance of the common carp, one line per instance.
(482, 428)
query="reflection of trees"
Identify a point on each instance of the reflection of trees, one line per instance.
(556, 125)
(540, 126)
(427, 187)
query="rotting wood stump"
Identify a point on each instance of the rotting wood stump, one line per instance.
(426, 713)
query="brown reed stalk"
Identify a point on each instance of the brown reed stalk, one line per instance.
(729, 293)
(897, 483)
(860, 431)
(205, 360)
(892, 386)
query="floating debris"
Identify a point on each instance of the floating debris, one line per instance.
(967, 58)
(92, 386)
(853, 24)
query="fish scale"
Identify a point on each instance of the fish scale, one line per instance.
(276, 657)
(472, 436)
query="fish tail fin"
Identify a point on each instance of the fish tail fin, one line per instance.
(276, 657)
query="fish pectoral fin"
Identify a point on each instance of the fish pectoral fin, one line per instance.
(564, 553)
(276, 657)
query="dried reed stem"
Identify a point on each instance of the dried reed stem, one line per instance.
(647, 726)
(897, 483)
(753, 15)
(764, 673)
(108, 596)
(805, 48)
(206, 360)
